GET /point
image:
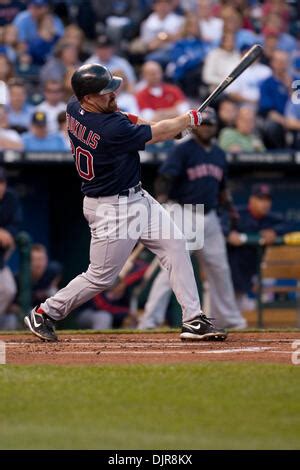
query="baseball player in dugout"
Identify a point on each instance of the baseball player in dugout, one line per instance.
(105, 144)
(195, 173)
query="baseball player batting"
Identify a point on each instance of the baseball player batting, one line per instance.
(105, 144)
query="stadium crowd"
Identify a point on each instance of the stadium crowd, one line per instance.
(171, 54)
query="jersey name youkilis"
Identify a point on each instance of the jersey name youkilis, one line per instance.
(105, 148)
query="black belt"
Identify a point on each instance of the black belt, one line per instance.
(135, 189)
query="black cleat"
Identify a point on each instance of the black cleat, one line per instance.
(202, 329)
(41, 325)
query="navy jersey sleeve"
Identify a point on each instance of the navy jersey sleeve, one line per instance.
(121, 134)
(174, 164)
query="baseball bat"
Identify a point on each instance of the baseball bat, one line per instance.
(245, 62)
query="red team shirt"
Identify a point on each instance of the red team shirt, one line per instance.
(171, 96)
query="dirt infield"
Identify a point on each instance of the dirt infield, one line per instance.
(149, 348)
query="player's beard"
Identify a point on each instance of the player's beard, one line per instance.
(112, 106)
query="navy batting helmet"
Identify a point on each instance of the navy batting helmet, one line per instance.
(94, 78)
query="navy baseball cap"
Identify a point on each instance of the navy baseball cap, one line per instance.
(104, 41)
(261, 190)
(2, 175)
(39, 118)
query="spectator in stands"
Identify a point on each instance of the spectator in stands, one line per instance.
(123, 18)
(211, 27)
(269, 46)
(45, 274)
(10, 218)
(274, 93)
(233, 23)
(242, 138)
(255, 218)
(10, 42)
(27, 21)
(9, 10)
(6, 72)
(63, 129)
(87, 20)
(53, 103)
(9, 138)
(227, 113)
(277, 7)
(274, 24)
(105, 55)
(126, 98)
(220, 61)
(159, 100)
(18, 109)
(65, 58)
(41, 46)
(74, 35)
(292, 120)
(185, 57)
(162, 26)
(38, 139)
(243, 7)
(6, 68)
(246, 88)
(28, 71)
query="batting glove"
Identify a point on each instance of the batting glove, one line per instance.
(195, 118)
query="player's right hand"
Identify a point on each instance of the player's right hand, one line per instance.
(195, 118)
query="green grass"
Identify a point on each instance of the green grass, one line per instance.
(196, 406)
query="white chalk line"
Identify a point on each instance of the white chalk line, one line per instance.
(134, 345)
(171, 342)
(166, 352)
(124, 348)
(155, 353)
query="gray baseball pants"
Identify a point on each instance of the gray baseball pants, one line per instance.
(8, 292)
(213, 258)
(117, 224)
(8, 289)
